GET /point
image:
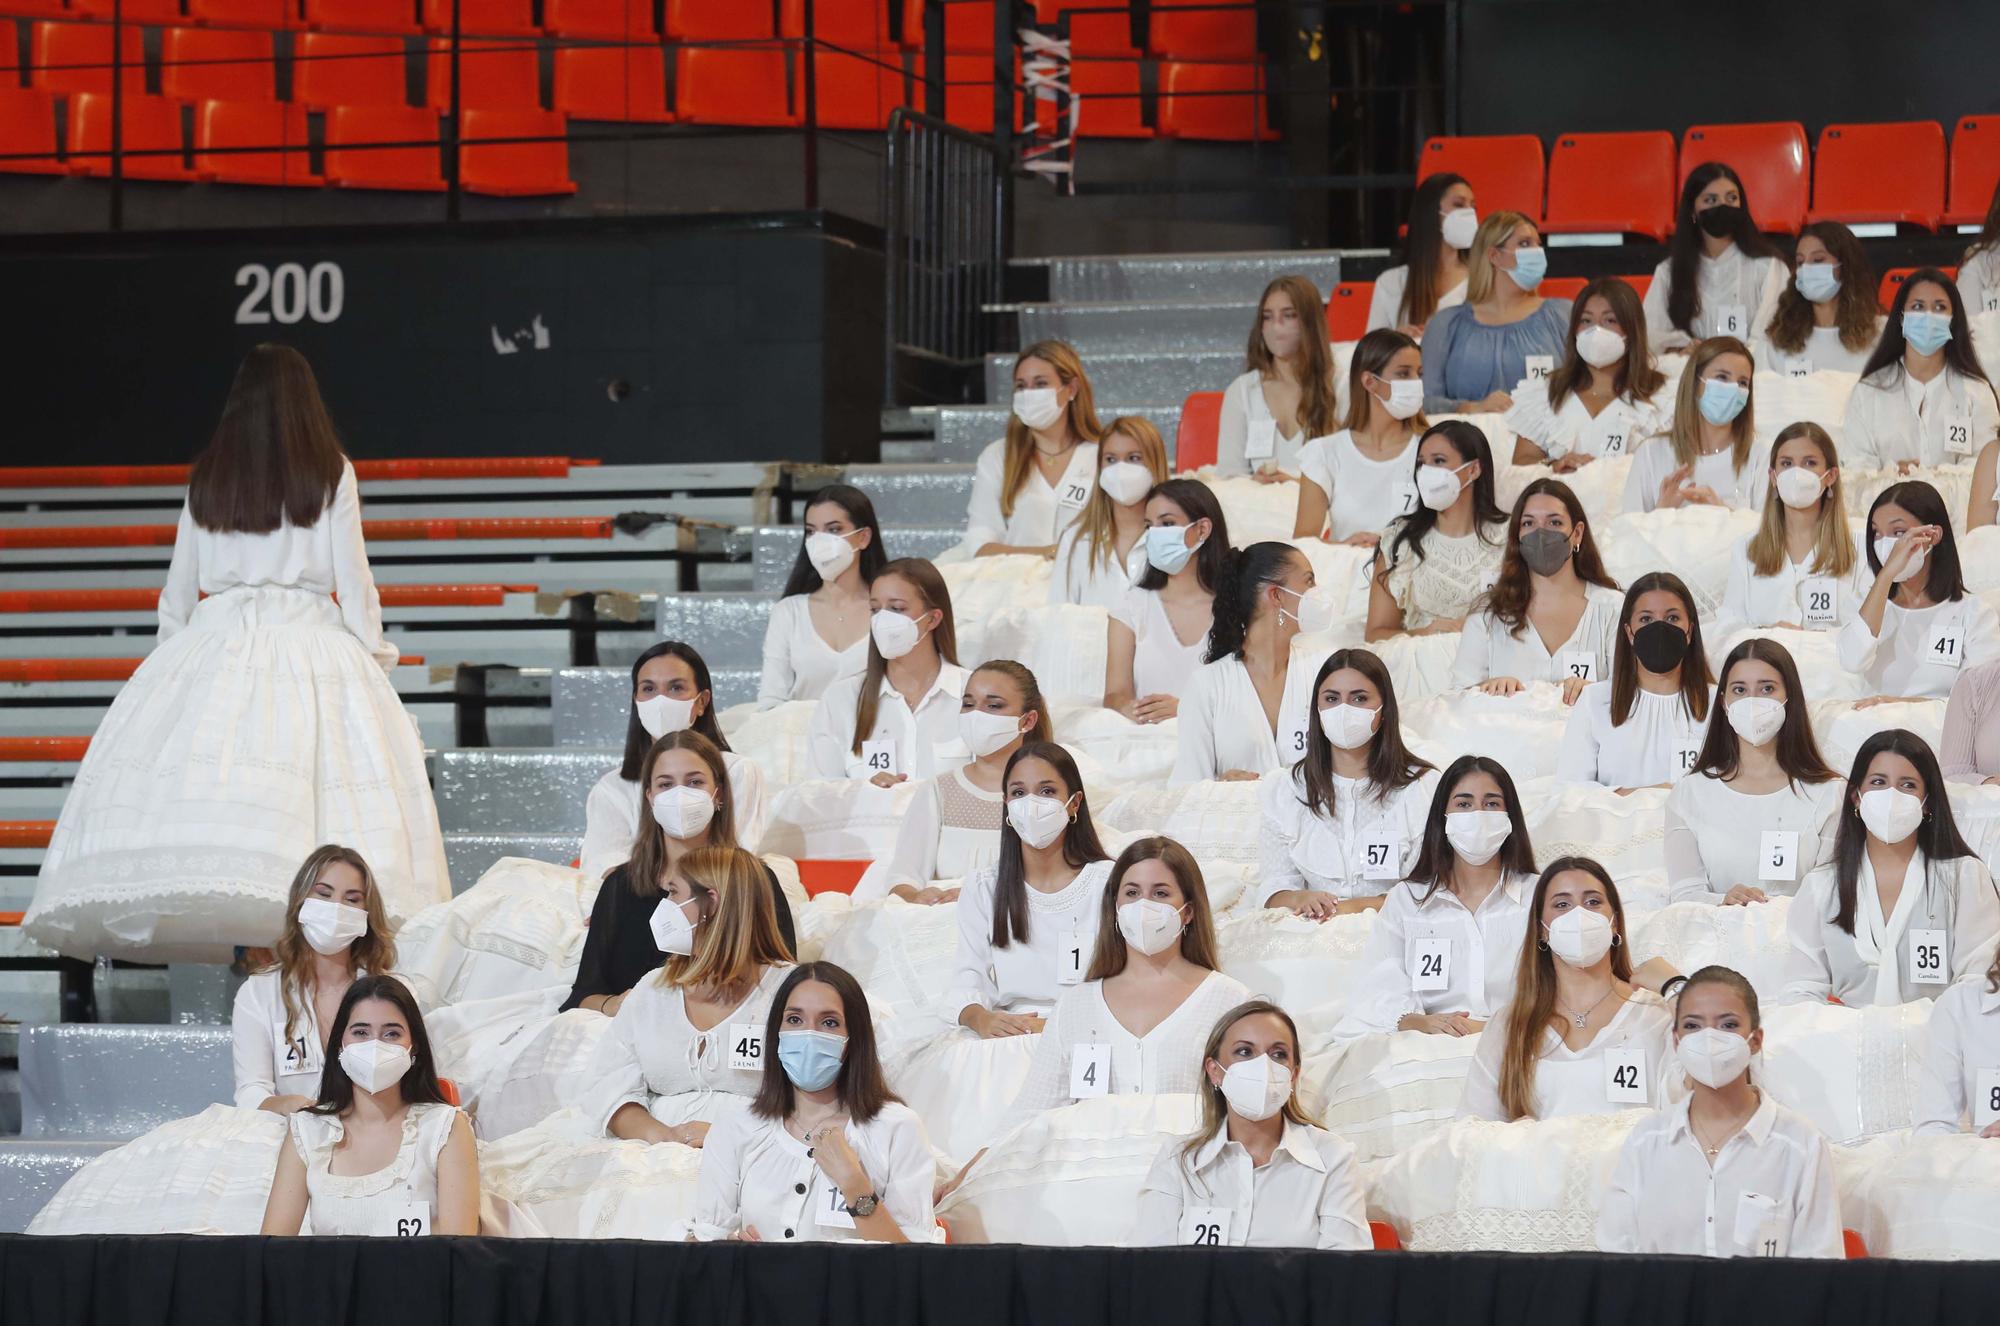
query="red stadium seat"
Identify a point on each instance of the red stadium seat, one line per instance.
(1617, 183)
(515, 170)
(1347, 310)
(492, 75)
(152, 128)
(968, 91)
(1640, 284)
(733, 85)
(1852, 1245)
(829, 875)
(1769, 158)
(718, 20)
(262, 124)
(1891, 287)
(1384, 1236)
(1109, 105)
(333, 70)
(1223, 102)
(483, 18)
(1505, 170)
(611, 20)
(36, 8)
(626, 84)
(1865, 173)
(1195, 438)
(1203, 34)
(28, 124)
(854, 24)
(968, 25)
(202, 64)
(362, 15)
(273, 14)
(1562, 287)
(1101, 34)
(417, 166)
(131, 11)
(857, 91)
(76, 57)
(1975, 169)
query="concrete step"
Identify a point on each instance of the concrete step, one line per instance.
(1161, 379)
(1218, 277)
(100, 1080)
(966, 430)
(469, 854)
(31, 1172)
(727, 628)
(775, 548)
(515, 792)
(1115, 327)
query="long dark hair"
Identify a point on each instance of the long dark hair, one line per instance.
(1696, 683)
(860, 514)
(1684, 249)
(1420, 248)
(1436, 859)
(1391, 766)
(1959, 355)
(1937, 834)
(637, 740)
(1854, 310)
(862, 1089)
(1250, 569)
(1944, 580)
(1635, 375)
(1197, 502)
(420, 1084)
(1471, 445)
(1514, 587)
(274, 458)
(1080, 845)
(1108, 958)
(1798, 753)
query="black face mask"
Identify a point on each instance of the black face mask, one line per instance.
(1659, 646)
(1723, 221)
(1545, 550)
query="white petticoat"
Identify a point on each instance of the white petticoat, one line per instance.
(209, 1174)
(579, 1183)
(961, 1086)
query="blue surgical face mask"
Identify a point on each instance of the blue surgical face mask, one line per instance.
(1530, 266)
(811, 1059)
(1926, 331)
(1722, 401)
(1167, 548)
(1818, 281)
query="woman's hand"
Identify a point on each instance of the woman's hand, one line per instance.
(1670, 495)
(285, 1104)
(747, 1234)
(1654, 973)
(1354, 906)
(1155, 708)
(928, 896)
(1309, 903)
(693, 1133)
(1441, 626)
(1571, 463)
(1501, 686)
(1874, 700)
(1494, 402)
(1573, 687)
(1269, 473)
(1237, 776)
(992, 1024)
(1907, 545)
(1742, 895)
(888, 779)
(835, 1157)
(1905, 466)
(1439, 1024)
(1700, 494)
(1366, 538)
(1990, 1130)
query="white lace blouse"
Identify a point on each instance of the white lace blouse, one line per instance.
(372, 1204)
(1448, 579)
(951, 830)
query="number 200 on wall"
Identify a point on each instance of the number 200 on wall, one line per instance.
(290, 293)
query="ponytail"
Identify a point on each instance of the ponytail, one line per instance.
(1246, 572)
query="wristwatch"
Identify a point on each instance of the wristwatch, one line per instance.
(864, 1206)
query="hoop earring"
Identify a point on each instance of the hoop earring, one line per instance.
(1616, 939)
(1542, 945)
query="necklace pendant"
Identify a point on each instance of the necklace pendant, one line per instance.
(1582, 1018)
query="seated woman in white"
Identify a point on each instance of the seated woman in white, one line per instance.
(335, 930)
(381, 1153)
(1093, 556)
(819, 626)
(1354, 482)
(1438, 560)
(1604, 398)
(1346, 822)
(1902, 908)
(952, 827)
(1431, 276)
(1958, 1090)
(1979, 268)
(1982, 503)
(899, 718)
(1918, 627)
(1029, 485)
(1259, 1173)
(1970, 748)
(1802, 569)
(1158, 632)
(1152, 992)
(1447, 942)
(670, 693)
(1552, 612)
(1721, 277)
(1923, 398)
(1707, 455)
(1643, 726)
(1826, 318)
(1727, 1172)
(825, 1152)
(687, 1043)
(1286, 393)
(1579, 1036)
(1748, 823)
(1248, 708)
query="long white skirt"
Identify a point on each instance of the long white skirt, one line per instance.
(258, 733)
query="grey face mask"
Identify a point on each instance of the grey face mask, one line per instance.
(1545, 550)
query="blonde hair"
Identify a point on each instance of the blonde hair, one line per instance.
(1833, 542)
(1094, 528)
(1082, 416)
(1316, 404)
(1480, 273)
(1534, 1000)
(740, 937)
(374, 952)
(1685, 435)
(1214, 1105)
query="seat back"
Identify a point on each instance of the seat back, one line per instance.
(152, 130)
(1219, 102)
(1771, 161)
(743, 85)
(1347, 310)
(76, 57)
(1109, 99)
(1621, 183)
(499, 74)
(859, 90)
(612, 20)
(198, 64)
(515, 169)
(855, 24)
(418, 167)
(718, 20)
(1202, 33)
(1891, 288)
(486, 18)
(28, 125)
(1506, 171)
(1880, 172)
(281, 127)
(624, 84)
(330, 69)
(1975, 169)
(362, 15)
(1195, 438)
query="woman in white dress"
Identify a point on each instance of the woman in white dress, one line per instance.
(261, 725)
(1706, 456)
(1029, 485)
(1552, 612)
(1354, 482)
(1979, 268)
(1753, 817)
(1982, 502)
(671, 693)
(1342, 825)
(1447, 942)
(825, 1152)
(1802, 569)
(1826, 318)
(1158, 632)
(1726, 1172)
(1958, 1089)
(1918, 627)
(1259, 1172)
(381, 1153)
(899, 718)
(818, 632)
(952, 827)
(1579, 1036)
(1721, 276)
(1923, 399)
(1438, 560)
(1903, 908)
(1643, 726)
(1093, 555)
(1286, 392)
(335, 930)
(1604, 398)
(1435, 251)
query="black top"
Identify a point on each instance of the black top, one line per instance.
(619, 948)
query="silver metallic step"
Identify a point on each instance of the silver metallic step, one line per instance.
(468, 855)
(97, 1080)
(1134, 327)
(774, 549)
(32, 1171)
(966, 430)
(1212, 276)
(514, 792)
(728, 629)
(1157, 379)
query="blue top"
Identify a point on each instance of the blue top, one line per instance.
(1465, 360)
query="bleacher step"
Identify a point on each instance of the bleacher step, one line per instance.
(966, 430)
(1162, 379)
(32, 1171)
(1132, 327)
(468, 855)
(515, 792)
(1188, 276)
(774, 549)
(104, 1080)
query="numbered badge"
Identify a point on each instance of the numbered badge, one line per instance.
(1071, 962)
(1819, 603)
(1760, 1225)
(1205, 1226)
(1430, 964)
(1778, 856)
(405, 1220)
(1261, 443)
(831, 1211)
(1930, 957)
(1686, 754)
(1381, 857)
(746, 1046)
(300, 1054)
(1580, 664)
(879, 757)
(1625, 1075)
(1944, 647)
(1732, 320)
(1089, 1071)
(1540, 366)
(1956, 428)
(1985, 1099)
(1072, 493)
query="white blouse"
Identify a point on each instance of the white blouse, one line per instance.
(798, 662)
(1448, 579)
(755, 1175)
(1414, 935)
(1247, 436)
(1656, 744)
(1165, 1061)
(1741, 489)
(1958, 1088)
(1769, 1193)
(1954, 901)
(951, 830)
(1900, 660)
(1161, 663)
(1080, 579)
(1580, 1081)
(918, 744)
(1308, 1195)
(1042, 510)
(1979, 282)
(1222, 722)
(378, 1204)
(1385, 306)
(1891, 416)
(1823, 351)
(1718, 837)
(328, 557)
(1749, 599)
(1617, 430)
(266, 1062)
(611, 814)
(1738, 294)
(1362, 495)
(1031, 974)
(1360, 852)
(653, 1052)
(1487, 650)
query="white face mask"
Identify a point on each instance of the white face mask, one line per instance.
(1580, 938)
(1039, 820)
(1406, 396)
(1799, 488)
(673, 928)
(1125, 482)
(1477, 835)
(1438, 486)
(1257, 1088)
(1887, 544)
(1891, 814)
(330, 927)
(1459, 227)
(375, 1065)
(661, 714)
(1348, 726)
(895, 635)
(1037, 407)
(830, 554)
(1600, 347)
(1712, 1056)
(984, 733)
(1756, 718)
(683, 812)
(1150, 926)
(1315, 611)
